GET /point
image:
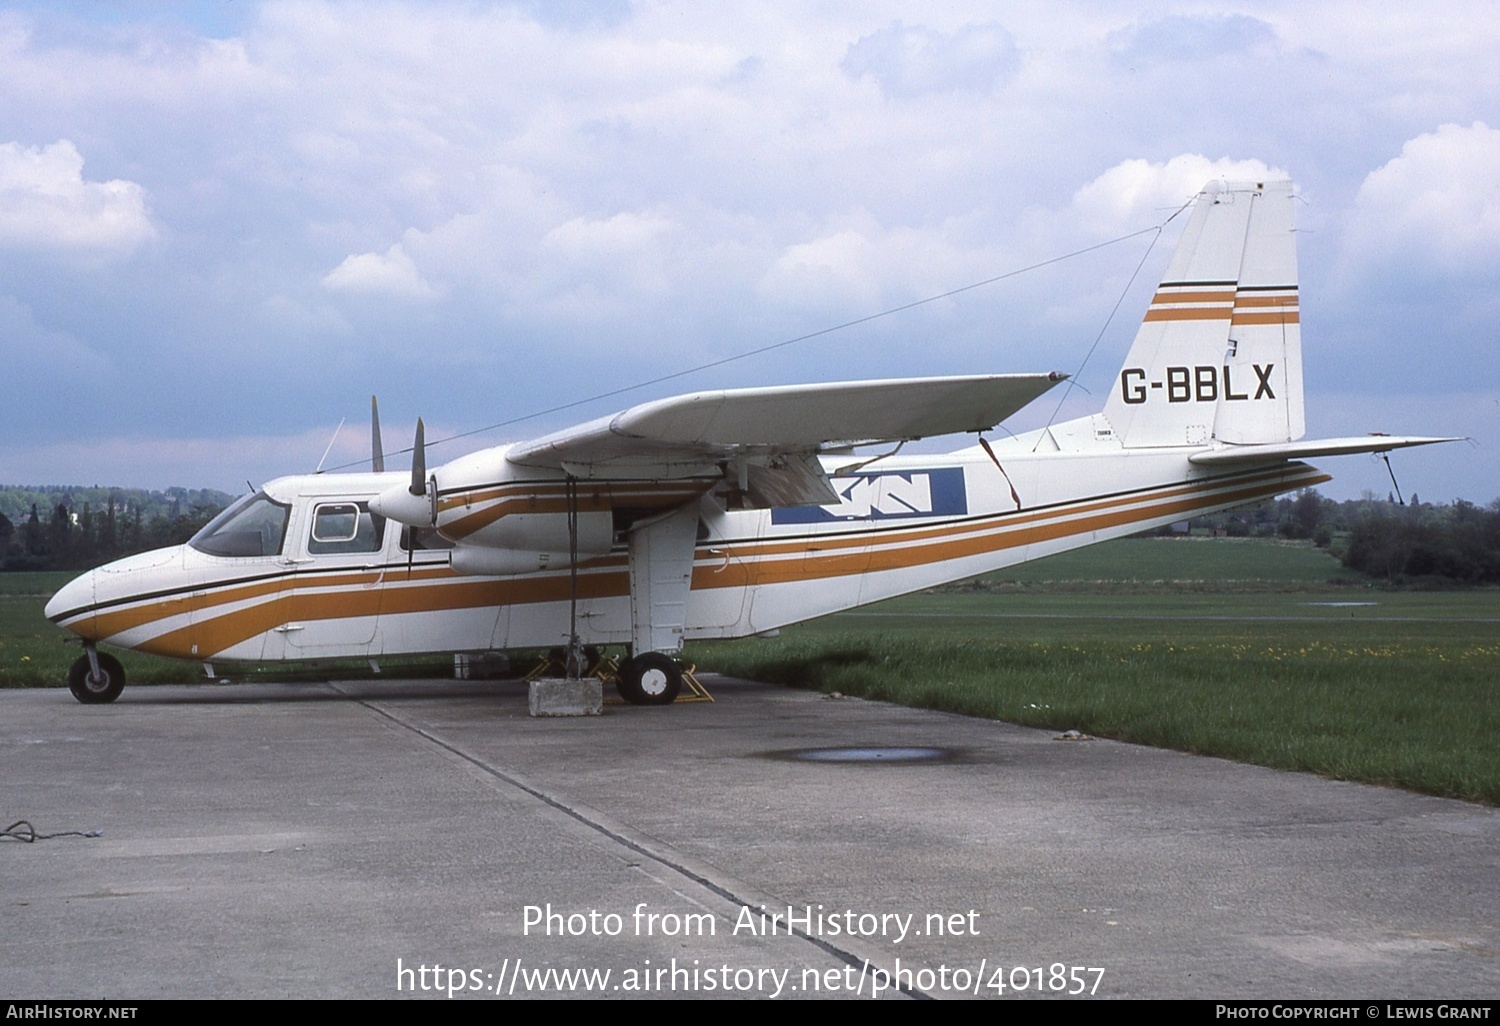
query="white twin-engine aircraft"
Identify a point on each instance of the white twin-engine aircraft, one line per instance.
(731, 513)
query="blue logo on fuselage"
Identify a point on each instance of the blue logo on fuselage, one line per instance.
(886, 496)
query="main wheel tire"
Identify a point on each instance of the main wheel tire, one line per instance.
(92, 690)
(651, 678)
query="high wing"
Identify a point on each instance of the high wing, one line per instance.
(763, 441)
(1230, 454)
(708, 427)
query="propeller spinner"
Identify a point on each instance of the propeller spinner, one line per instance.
(416, 504)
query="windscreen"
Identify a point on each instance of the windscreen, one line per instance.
(253, 526)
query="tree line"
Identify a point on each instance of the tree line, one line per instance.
(1414, 543)
(74, 528)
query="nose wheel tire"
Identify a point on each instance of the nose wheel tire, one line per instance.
(651, 678)
(96, 689)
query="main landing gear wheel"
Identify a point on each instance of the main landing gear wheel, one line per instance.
(92, 689)
(650, 679)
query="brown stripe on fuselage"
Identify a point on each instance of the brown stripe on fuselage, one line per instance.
(1249, 300)
(1216, 296)
(592, 498)
(1272, 317)
(1189, 313)
(877, 557)
(303, 597)
(889, 536)
(215, 634)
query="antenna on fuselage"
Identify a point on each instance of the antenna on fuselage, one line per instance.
(326, 451)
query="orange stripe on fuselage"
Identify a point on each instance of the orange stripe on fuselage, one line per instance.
(215, 634)
(296, 598)
(120, 620)
(1194, 313)
(1274, 317)
(889, 536)
(525, 497)
(1011, 533)
(1215, 296)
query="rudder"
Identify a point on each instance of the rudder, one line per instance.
(1218, 356)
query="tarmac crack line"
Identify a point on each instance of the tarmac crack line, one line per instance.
(736, 892)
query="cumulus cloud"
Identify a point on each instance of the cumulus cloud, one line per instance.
(606, 267)
(1437, 204)
(1137, 192)
(1179, 37)
(859, 266)
(1126, 198)
(392, 273)
(912, 60)
(47, 204)
(492, 186)
(1420, 261)
(623, 235)
(833, 269)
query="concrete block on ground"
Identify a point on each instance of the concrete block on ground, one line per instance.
(558, 696)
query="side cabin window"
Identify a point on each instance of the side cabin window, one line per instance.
(253, 526)
(345, 527)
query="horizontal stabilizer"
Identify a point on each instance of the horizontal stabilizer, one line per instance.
(1281, 451)
(708, 426)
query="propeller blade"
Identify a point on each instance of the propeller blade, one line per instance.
(410, 504)
(419, 462)
(377, 451)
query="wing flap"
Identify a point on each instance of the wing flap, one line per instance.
(707, 426)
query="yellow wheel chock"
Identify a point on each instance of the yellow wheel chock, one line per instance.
(608, 672)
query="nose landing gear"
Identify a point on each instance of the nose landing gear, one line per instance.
(96, 678)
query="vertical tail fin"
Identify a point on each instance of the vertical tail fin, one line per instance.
(1219, 353)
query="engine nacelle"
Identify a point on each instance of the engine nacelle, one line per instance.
(482, 561)
(542, 532)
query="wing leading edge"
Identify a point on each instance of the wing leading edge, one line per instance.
(792, 420)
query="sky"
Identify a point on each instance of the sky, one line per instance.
(225, 225)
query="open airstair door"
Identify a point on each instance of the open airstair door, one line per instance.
(661, 577)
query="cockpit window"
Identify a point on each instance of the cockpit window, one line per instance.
(253, 526)
(345, 527)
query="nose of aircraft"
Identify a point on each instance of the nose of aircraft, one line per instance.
(75, 605)
(72, 599)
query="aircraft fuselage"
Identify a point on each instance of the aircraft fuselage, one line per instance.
(327, 590)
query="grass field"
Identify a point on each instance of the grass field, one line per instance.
(33, 653)
(1252, 650)
(1211, 563)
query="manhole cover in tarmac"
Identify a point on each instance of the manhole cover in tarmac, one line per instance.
(869, 754)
